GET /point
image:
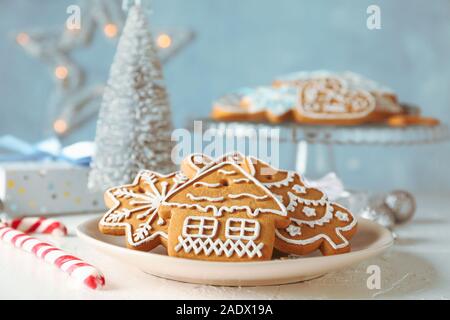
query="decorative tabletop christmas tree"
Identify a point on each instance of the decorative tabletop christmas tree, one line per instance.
(134, 125)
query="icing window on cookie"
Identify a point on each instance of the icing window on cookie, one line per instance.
(199, 227)
(242, 229)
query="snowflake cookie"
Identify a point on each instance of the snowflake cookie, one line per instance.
(134, 209)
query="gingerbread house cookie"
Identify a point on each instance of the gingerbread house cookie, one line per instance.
(134, 209)
(315, 222)
(223, 214)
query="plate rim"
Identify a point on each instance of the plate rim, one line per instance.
(382, 246)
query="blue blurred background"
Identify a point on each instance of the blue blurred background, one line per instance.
(249, 42)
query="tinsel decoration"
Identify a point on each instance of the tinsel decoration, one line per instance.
(134, 126)
(74, 101)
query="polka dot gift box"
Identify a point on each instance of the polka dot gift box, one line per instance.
(44, 188)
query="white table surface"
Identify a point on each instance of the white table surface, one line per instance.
(416, 267)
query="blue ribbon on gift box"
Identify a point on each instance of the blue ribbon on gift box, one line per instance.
(79, 153)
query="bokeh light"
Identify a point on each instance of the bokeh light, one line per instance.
(164, 41)
(110, 30)
(61, 72)
(60, 126)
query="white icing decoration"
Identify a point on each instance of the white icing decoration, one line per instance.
(290, 175)
(293, 230)
(218, 211)
(317, 237)
(234, 157)
(248, 229)
(218, 247)
(149, 201)
(180, 178)
(142, 231)
(319, 222)
(204, 198)
(294, 200)
(251, 165)
(299, 189)
(198, 158)
(241, 180)
(118, 215)
(161, 221)
(330, 96)
(227, 173)
(354, 80)
(279, 197)
(201, 229)
(285, 182)
(206, 184)
(309, 212)
(342, 216)
(248, 195)
(277, 100)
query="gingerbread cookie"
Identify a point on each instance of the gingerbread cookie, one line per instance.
(134, 209)
(196, 162)
(331, 101)
(340, 98)
(316, 223)
(258, 104)
(223, 214)
(412, 120)
(229, 108)
(193, 163)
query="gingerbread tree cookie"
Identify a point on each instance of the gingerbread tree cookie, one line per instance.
(316, 222)
(134, 209)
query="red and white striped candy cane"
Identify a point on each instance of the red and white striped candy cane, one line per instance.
(75, 267)
(38, 225)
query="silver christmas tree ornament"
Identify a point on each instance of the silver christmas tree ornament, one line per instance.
(134, 125)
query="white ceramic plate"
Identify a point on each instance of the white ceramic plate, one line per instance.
(370, 240)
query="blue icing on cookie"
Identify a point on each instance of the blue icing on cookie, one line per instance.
(276, 100)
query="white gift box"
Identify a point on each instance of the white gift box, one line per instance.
(46, 188)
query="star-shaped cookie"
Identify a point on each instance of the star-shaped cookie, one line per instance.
(134, 209)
